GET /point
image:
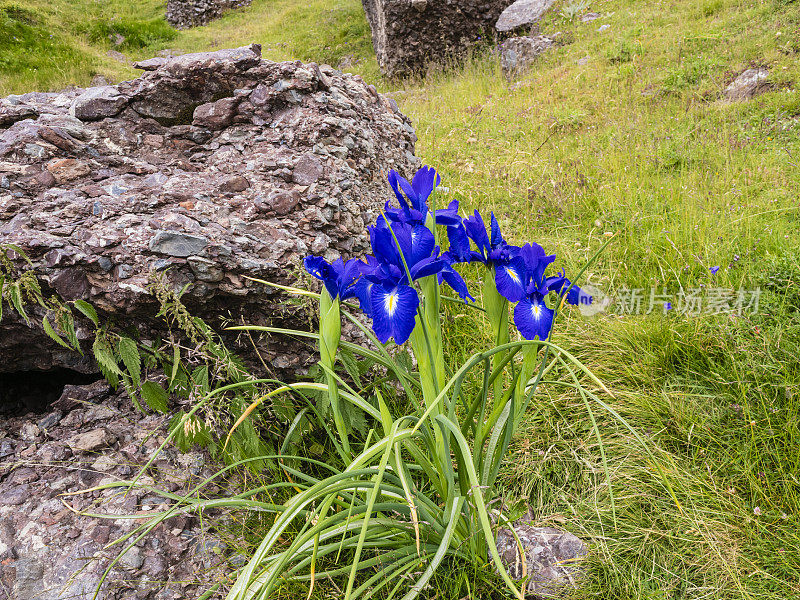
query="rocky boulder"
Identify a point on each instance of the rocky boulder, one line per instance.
(410, 34)
(518, 54)
(183, 14)
(208, 168)
(552, 559)
(522, 14)
(747, 85)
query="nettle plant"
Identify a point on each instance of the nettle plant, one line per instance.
(388, 510)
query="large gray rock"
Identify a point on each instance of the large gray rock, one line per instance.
(749, 84)
(98, 103)
(552, 558)
(292, 160)
(522, 14)
(410, 34)
(183, 14)
(519, 53)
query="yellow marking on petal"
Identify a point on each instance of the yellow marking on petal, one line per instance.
(390, 304)
(513, 275)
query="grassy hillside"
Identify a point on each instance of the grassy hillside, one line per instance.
(47, 45)
(634, 140)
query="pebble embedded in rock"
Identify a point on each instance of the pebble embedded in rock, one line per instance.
(234, 183)
(307, 170)
(177, 244)
(15, 496)
(65, 170)
(105, 463)
(132, 559)
(23, 475)
(6, 448)
(283, 202)
(28, 575)
(29, 432)
(49, 420)
(215, 115)
(71, 284)
(91, 440)
(206, 270)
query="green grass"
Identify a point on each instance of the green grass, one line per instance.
(47, 45)
(634, 142)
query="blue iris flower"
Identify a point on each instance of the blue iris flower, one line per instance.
(413, 199)
(340, 278)
(509, 267)
(531, 315)
(390, 299)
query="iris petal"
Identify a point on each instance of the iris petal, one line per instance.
(383, 245)
(423, 184)
(449, 216)
(394, 181)
(455, 281)
(361, 290)
(319, 268)
(476, 230)
(422, 243)
(532, 318)
(428, 266)
(536, 263)
(509, 277)
(497, 237)
(459, 244)
(394, 310)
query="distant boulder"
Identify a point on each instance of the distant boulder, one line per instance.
(517, 54)
(749, 84)
(522, 14)
(183, 14)
(408, 35)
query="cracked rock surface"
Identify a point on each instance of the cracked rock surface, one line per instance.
(408, 35)
(210, 167)
(48, 551)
